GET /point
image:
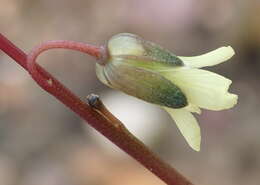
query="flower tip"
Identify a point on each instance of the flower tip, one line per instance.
(234, 99)
(228, 51)
(196, 148)
(230, 100)
(195, 143)
(222, 54)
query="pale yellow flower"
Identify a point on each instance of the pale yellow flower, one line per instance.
(147, 71)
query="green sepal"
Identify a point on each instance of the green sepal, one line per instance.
(143, 84)
(141, 52)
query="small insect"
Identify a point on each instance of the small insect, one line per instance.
(149, 72)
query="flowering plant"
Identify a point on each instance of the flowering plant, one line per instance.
(147, 71)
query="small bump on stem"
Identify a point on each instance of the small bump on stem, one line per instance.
(93, 101)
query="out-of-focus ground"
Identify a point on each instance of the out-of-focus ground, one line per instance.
(44, 143)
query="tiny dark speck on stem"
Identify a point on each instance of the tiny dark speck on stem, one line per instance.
(93, 100)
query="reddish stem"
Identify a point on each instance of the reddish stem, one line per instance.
(12, 51)
(98, 116)
(46, 81)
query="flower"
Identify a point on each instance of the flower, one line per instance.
(147, 71)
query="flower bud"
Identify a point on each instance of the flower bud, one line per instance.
(147, 71)
(129, 69)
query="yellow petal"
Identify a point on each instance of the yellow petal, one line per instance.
(209, 59)
(187, 125)
(203, 88)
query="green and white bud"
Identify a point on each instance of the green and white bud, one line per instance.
(145, 70)
(130, 68)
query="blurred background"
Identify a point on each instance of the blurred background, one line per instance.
(44, 143)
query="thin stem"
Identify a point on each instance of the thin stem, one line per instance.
(97, 116)
(12, 51)
(34, 69)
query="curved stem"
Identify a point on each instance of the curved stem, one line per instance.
(96, 115)
(77, 46)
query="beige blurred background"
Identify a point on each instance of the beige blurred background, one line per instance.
(44, 143)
